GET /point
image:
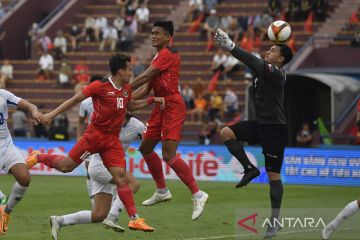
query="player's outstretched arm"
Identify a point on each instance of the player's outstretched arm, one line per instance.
(37, 116)
(141, 91)
(77, 98)
(148, 75)
(223, 40)
(134, 105)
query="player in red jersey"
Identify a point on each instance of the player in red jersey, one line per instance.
(166, 125)
(111, 99)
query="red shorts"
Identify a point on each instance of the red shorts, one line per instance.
(167, 124)
(93, 141)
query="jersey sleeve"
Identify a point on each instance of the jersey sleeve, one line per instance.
(274, 74)
(82, 111)
(163, 61)
(10, 98)
(92, 89)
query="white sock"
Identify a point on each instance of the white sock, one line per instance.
(81, 217)
(89, 189)
(115, 210)
(198, 194)
(16, 195)
(2, 195)
(347, 212)
(161, 190)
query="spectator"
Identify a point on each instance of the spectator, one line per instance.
(110, 37)
(293, 11)
(304, 138)
(139, 66)
(231, 65)
(320, 8)
(266, 20)
(196, 8)
(122, 6)
(81, 74)
(131, 7)
(225, 22)
(356, 41)
(44, 43)
(199, 87)
(219, 60)
(6, 72)
(119, 24)
(2, 12)
(90, 26)
(33, 35)
(19, 123)
(208, 132)
(306, 7)
(199, 110)
(46, 63)
(142, 16)
(212, 22)
(188, 95)
(215, 107)
(231, 103)
(75, 37)
(127, 38)
(59, 128)
(65, 74)
(235, 30)
(60, 46)
(40, 130)
(100, 26)
(210, 4)
(275, 8)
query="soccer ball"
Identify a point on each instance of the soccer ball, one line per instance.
(279, 31)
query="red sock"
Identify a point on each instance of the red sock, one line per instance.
(127, 198)
(184, 173)
(155, 167)
(50, 160)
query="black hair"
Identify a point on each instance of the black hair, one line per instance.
(95, 78)
(168, 26)
(118, 61)
(285, 52)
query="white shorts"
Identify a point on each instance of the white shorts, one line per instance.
(100, 177)
(9, 157)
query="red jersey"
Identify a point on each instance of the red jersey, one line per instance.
(167, 60)
(109, 105)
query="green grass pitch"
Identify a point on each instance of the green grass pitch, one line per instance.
(50, 195)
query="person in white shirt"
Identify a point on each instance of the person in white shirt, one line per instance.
(6, 73)
(107, 205)
(110, 37)
(60, 45)
(231, 102)
(46, 63)
(219, 60)
(90, 25)
(100, 25)
(231, 65)
(142, 16)
(119, 24)
(12, 161)
(196, 8)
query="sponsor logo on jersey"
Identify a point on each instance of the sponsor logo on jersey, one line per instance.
(125, 93)
(110, 94)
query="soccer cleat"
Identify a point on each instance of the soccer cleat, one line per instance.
(248, 176)
(3, 200)
(272, 231)
(327, 231)
(199, 205)
(4, 220)
(54, 227)
(109, 224)
(157, 198)
(139, 224)
(32, 159)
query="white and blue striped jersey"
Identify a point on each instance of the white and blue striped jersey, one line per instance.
(86, 109)
(6, 99)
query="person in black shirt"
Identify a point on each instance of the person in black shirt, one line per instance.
(269, 127)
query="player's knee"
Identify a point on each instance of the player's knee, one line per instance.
(144, 150)
(226, 134)
(167, 156)
(273, 176)
(24, 180)
(98, 216)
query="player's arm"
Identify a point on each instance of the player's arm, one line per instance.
(223, 40)
(65, 106)
(141, 91)
(134, 105)
(37, 116)
(148, 75)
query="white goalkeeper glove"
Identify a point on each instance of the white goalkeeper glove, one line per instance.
(223, 40)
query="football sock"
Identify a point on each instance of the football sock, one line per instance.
(2, 195)
(198, 195)
(276, 194)
(115, 210)
(236, 148)
(50, 160)
(347, 212)
(16, 195)
(81, 217)
(162, 190)
(127, 198)
(89, 189)
(183, 171)
(155, 167)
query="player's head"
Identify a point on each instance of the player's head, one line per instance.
(120, 66)
(162, 33)
(279, 54)
(95, 78)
